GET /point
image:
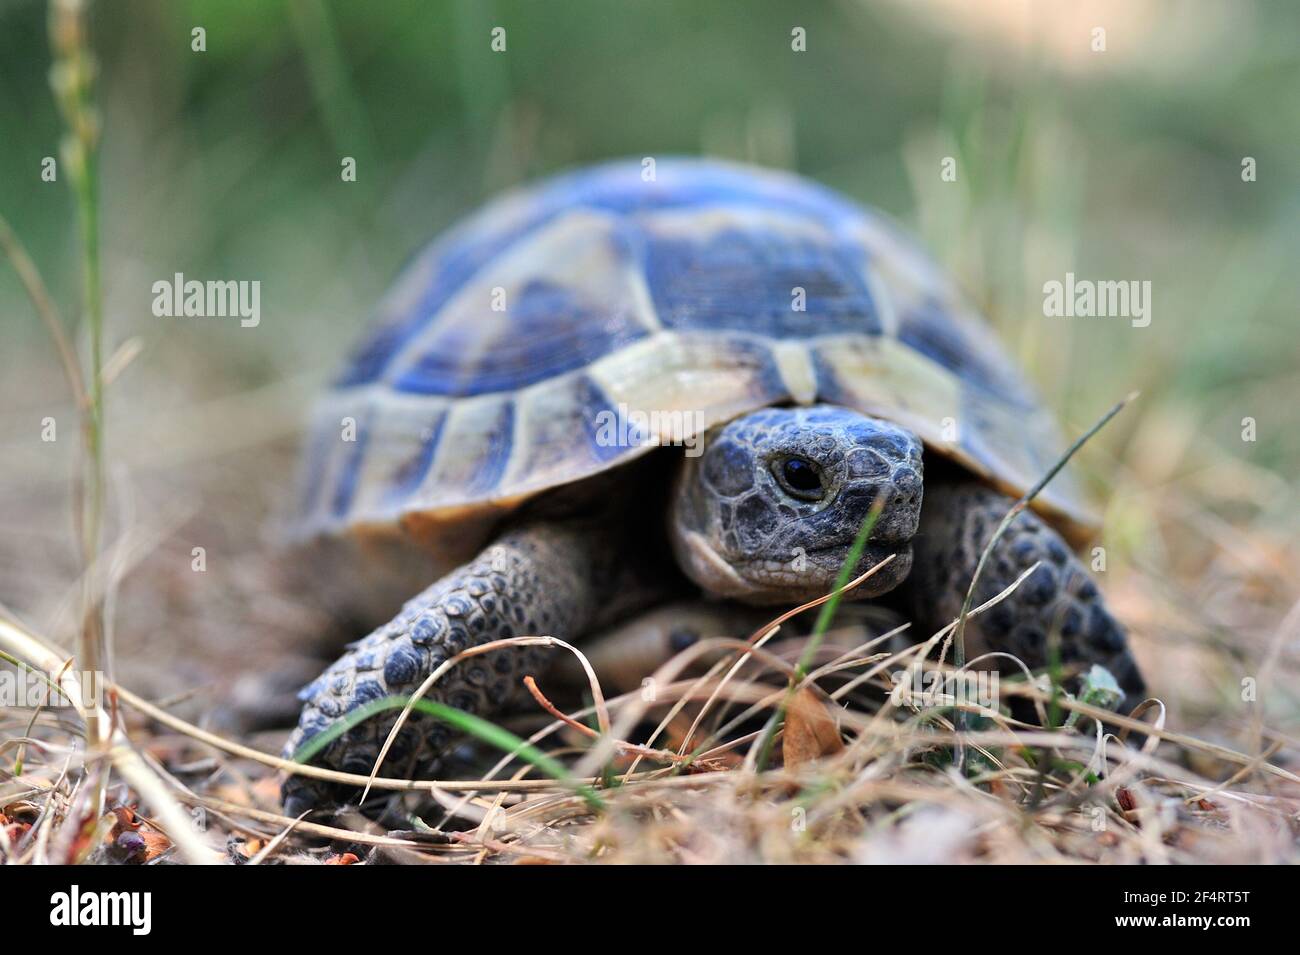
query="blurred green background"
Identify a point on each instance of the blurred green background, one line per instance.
(1122, 164)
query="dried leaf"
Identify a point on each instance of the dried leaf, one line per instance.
(131, 839)
(155, 844)
(811, 730)
(125, 820)
(22, 811)
(346, 858)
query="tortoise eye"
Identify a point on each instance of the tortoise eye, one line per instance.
(799, 477)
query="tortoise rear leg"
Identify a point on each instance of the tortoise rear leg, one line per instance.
(1059, 597)
(545, 579)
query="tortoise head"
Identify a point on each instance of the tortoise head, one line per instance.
(769, 512)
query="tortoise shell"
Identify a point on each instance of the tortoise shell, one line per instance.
(701, 288)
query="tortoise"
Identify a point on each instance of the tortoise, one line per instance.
(647, 378)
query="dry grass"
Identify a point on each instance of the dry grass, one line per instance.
(1213, 782)
(1203, 568)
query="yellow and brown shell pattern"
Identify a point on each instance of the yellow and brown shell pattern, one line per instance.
(653, 293)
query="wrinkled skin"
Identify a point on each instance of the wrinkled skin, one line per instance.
(767, 514)
(741, 528)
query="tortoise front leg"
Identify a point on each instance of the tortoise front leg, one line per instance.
(1059, 597)
(546, 579)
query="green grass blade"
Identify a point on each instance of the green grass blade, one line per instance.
(959, 636)
(468, 723)
(824, 619)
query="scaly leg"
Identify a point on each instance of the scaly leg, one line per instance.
(544, 579)
(1059, 597)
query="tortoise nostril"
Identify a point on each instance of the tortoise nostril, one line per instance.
(906, 487)
(905, 496)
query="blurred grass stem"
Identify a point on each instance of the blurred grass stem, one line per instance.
(71, 79)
